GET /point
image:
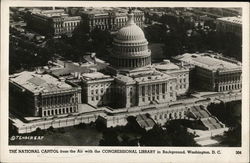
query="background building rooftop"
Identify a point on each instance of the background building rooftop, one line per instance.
(235, 20)
(209, 61)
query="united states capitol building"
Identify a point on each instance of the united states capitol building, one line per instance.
(130, 86)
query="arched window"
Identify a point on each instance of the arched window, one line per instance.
(180, 114)
(170, 115)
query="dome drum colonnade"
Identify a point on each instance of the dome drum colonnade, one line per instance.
(130, 47)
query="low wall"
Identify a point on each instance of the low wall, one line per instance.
(160, 113)
(57, 122)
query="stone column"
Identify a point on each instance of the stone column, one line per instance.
(50, 100)
(60, 99)
(160, 88)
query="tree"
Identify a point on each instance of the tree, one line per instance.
(232, 137)
(101, 39)
(223, 112)
(156, 137)
(174, 135)
(110, 138)
(179, 136)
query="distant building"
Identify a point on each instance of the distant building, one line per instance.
(213, 73)
(229, 25)
(109, 20)
(52, 22)
(214, 12)
(37, 94)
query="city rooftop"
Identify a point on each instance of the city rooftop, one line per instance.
(235, 20)
(35, 82)
(208, 61)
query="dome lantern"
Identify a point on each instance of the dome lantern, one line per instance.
(130, 19)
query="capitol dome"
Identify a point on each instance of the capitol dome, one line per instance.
(130, 47)
(131, 32)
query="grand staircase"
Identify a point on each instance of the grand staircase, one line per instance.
(208, 120)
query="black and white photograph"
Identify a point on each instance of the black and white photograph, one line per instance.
(126, 76)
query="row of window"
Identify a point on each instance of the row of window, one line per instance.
(117, 20)
(153, 98)
(228, 79)
(68, 24)
(132, 49)
(59, 100)
(97, 98)
(184, 80)
(101, 85)
(59, 111)
(132, 62)
(229, 87)
(181, 86)
(60, 30)
(155, 88)
(108, 90)
(170, 115)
